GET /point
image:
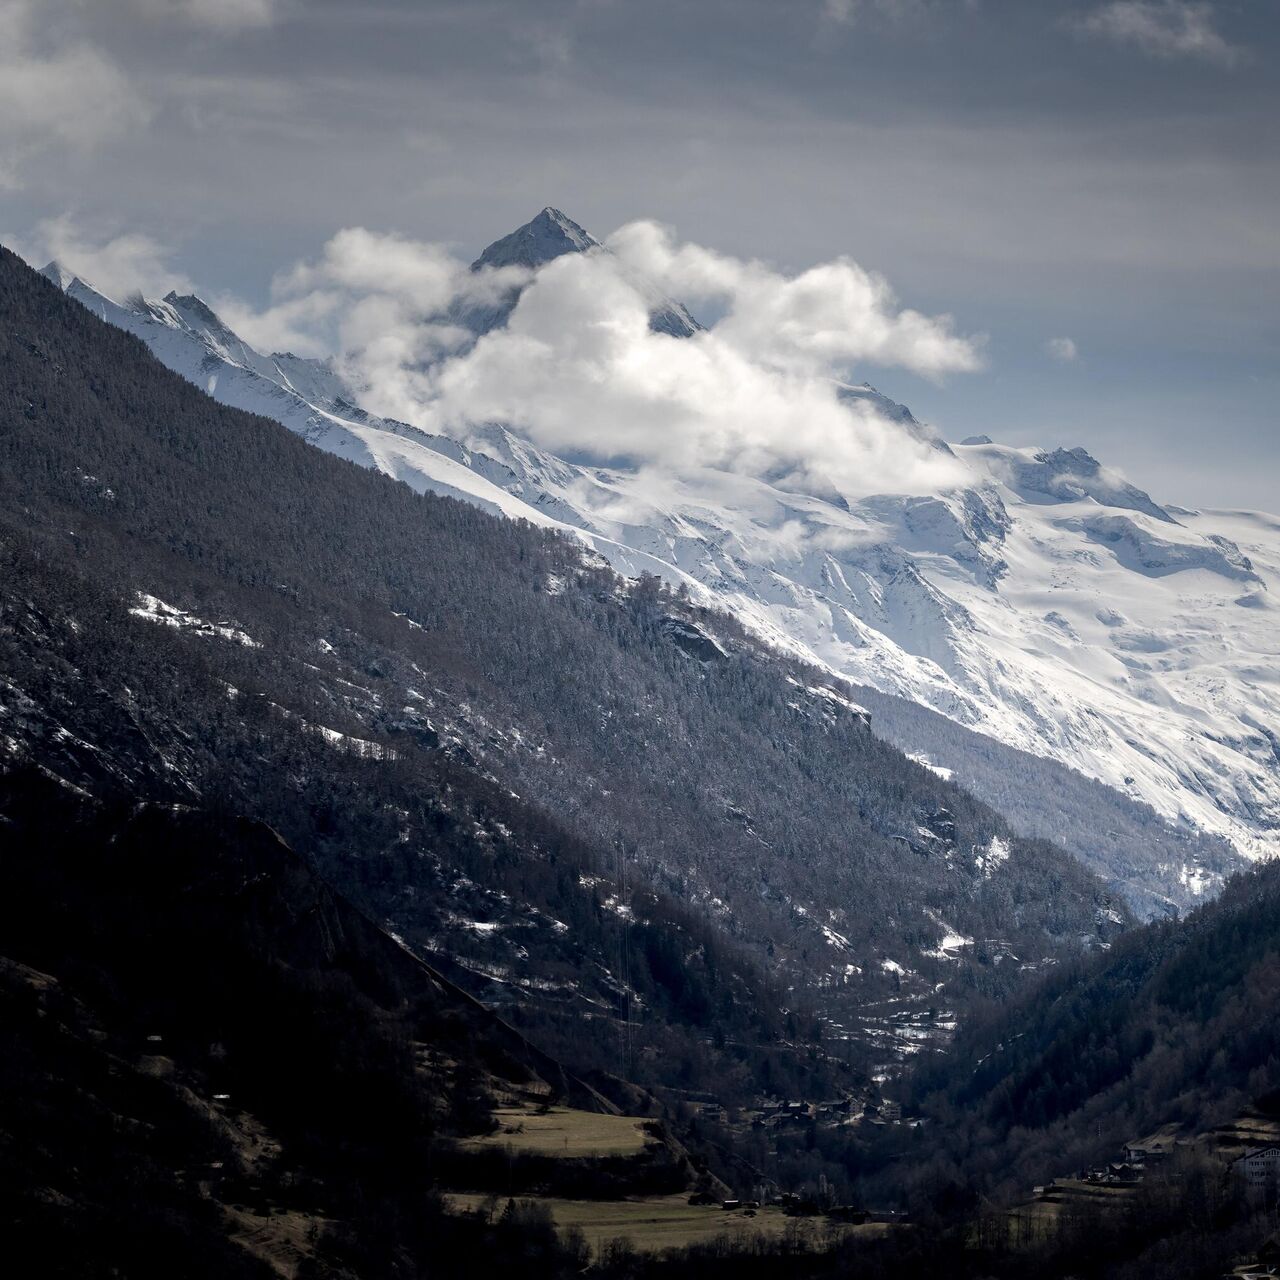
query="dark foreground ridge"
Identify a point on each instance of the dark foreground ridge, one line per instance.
(211, 1059)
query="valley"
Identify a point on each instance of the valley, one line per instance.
(639, 641)
(389, 882)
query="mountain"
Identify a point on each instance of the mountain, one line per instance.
(666, 849)
(337, 815)
(1047, 604)
(542, 239)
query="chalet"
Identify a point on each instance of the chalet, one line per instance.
(1145, 1153)
(1260, 1168)
(891, 1111)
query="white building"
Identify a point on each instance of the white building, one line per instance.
(1260, 1167)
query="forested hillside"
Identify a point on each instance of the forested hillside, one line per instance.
(1178, 1024)
(512, 756)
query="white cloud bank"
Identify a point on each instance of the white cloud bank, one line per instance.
(115, 266)
(579, 370)
(1063, 349)
(820, 321)
(1162, 28)
(577, 367)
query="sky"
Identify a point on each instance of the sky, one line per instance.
(1086, 188)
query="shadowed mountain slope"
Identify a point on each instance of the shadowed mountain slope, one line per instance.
(611, 808)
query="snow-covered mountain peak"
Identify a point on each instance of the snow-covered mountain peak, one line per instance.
(865, 393)
(548, 236)
(1060, 475)
(189, 311)
(890, 409)
(60, 276)
(196, 311)
(541, 240)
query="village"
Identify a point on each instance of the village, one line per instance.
(772, 1120)
(1246, 1150)
(775, 1114)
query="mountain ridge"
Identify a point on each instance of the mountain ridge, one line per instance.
(940, 599)
(341, 656)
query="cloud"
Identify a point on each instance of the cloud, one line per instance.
(365, 262)
(115, 266)
(386, 297)
(1162, 28)
(847, 12)
(1063, 349)
(73, 95)
(294, 325)
(823, 320)
(840, 10)
(217, 15)
(579, 370)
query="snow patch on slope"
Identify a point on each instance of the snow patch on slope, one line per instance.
(153, 609)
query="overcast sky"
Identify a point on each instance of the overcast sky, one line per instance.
(1093, 185)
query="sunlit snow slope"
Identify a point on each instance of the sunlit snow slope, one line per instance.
(1047, 602)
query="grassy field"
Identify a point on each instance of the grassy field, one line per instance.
(564, 1132)
(1249, 1129)
(668, 1222)
(1036, 1218)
